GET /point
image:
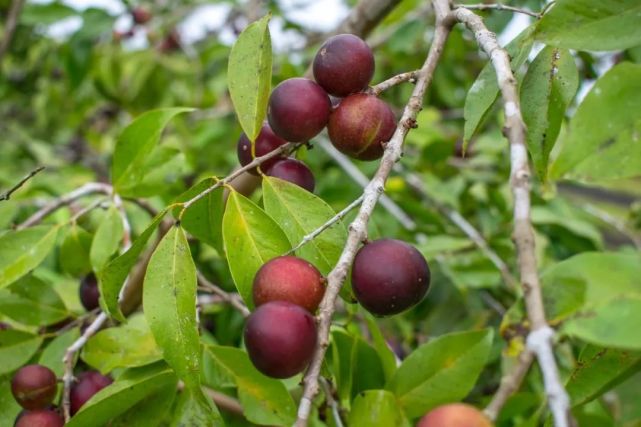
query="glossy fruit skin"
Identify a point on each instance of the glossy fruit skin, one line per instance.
(389, 276)
(344, 65)
(294, 171)
(34, 386)
(289, 278)
(298, 109)
(89, 292)
(360, 125)
(266, 142)
(88, 384)
(455, 415)
(39, 418)
(280, 338)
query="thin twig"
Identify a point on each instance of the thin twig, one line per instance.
(8, 193)
(230, 298)
(10, 26)
(329, 396)
(541, 336)
(333, 220)
(499, 6)
(510, 383)
(225, 402)
(409, 76)
(358, 227)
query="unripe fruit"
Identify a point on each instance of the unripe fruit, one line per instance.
(294, 171)
(280, 339)
(39, 418)
(88, 384)
(291, 279)
(298, 109)
(389, 276)
(455, 415)
(344, 65)
(266, 142)
(360, 125)
(34, 386)
(89, 292)
(141, 15)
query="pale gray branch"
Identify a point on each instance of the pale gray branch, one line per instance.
(510, 383)
(498, 6)
(232, 299)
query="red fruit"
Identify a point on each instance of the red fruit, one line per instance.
(280, 339)
(266, 142)
(344, 65)
(389, 276)
(89, 292)
(291, 279)
(170, 43)
(360, 125)
(88, 384)
(294, 171)
(39, 418)
(455, 415)
(34, 386)
(141, 15)
(298, 109)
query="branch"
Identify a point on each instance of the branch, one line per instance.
(8, 193)
(541, 336)
(409, 76)
(510, 383)
(10, 26)
(225, 402)
(230, 298)
(358, 227)
(499, 6)
(329, 396)
(365, 16)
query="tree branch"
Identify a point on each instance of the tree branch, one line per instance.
(541, 336)
(10, 26)
(510, 383)
(9, 192)
(409, 76)
(230, 298)
(358, 228)
(498, 6)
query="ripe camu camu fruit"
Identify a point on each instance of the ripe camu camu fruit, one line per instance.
(291, 279)
(293, 171)
(361, 125)
(89, 292)
(344, 65)
(39, 418)
(88, 384)
(266, 142)
(455, 415)
(298, 109)
(389, 276)
(280, 339)
(34, 386)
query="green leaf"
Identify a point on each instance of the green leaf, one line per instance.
(130, 388)
(113, 276)
(125, 346)
(443, 370)
(251, 238)
(203, 219)
(299, 212)
(169, 303)
(591, 25)
(107, 238)
(16, 348)
(22, 251)
(387, 356)
(599, 370)
(74, 252)
(136, 142)
(195, 409)
(604, 130)
(160, 169)
(9, 408)
(548, 88)
(150, 411)
(53, 352)
(485, 89)
(265, 400)
(376, 408)
(32, 302)
(45, 14)
(250, 74)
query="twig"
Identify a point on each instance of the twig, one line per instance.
(540, 339)
(333, 220)
(409, 76)
(10, 26)
(8, 193)
(329, 396)
(126, 235)
(510, 383)
(614, 222)
(225, 402)
(358, 227)
(365, 16)
(499, 6)
(230, 298)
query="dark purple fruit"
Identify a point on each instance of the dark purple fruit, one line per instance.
(88, 384)
(34, 386)
(298, 109)
(361, 125)
(266, 142)
(141, 15)
(291, 279)
(280, 339)
(89, 292)
(39, 418)
(344, 65)
(294, 171)
(389, 276)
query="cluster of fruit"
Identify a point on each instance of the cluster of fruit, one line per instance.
(388, 277)
(358, 123)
